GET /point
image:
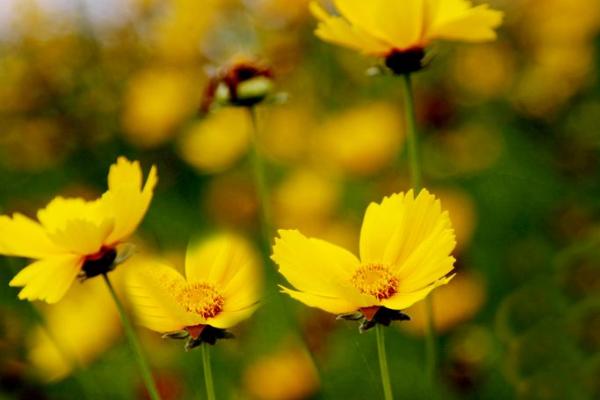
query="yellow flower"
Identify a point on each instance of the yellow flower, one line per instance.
(76, 237)
(389, 29)
(82, 327)
(216, 142)
(222, 287)
(405, 246)
(287, 374)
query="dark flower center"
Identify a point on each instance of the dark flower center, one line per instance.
(403, 62)
(99, 263)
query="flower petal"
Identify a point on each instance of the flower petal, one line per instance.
(229, 264)
(82, 237)
(22, 237)
(401, 301)
(227, 319)
(125, 198)
(401, 225)
(458, 20)
(315, 266)
(151, 287)
(47, 279)
(334, 305)
(337, 30)
(60, 210)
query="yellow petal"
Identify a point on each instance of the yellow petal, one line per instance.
(400, 22)
(229, 264)
(152, 288)
(337, 30)
(227, 319)
(23, 237)
(47, 279)
(125, 199)
(393, 230)
(81, 236)
(334, 305)
(458, 20)
(60, 210)
(402, 300)
(315, 266)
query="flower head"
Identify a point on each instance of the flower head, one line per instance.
(405, 246)
(399, 31)
(76, 237)
(221, 287)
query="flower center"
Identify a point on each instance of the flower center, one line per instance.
(100, 263)
(200, 298)
(375, 280)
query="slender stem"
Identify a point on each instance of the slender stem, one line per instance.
(383, 365)
(416, 181)
(411, 133)
(262, 189)
(208, 379)
(133, 342)
(431, 351)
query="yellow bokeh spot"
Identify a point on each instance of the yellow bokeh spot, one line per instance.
(360, 141)
(157, 102)
(218, 141)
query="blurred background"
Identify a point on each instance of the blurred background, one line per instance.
(511, 140)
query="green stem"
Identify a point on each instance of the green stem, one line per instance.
(412, 140)
(208, 379)
(416, 181)
(383, 366)
(431, 352)
(133, 342)
(262, 190)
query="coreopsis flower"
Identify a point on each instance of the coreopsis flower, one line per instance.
(74, 237)
(405, 247)
(221, 287)
(400, 31)
(242, 83)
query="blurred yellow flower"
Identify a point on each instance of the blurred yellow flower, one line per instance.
(405, 246)
(82, 326)
(76, 237)
(157, 101)
(452, 305)
(218, 141)
(288, 374)
(305, 198)
(389, 29)
(362, 140)
(222, 287)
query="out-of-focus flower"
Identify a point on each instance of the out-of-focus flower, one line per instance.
(559, 38)
(400, 32)
(284, 132)
(484, 71)
(405, 246)
(75, 237)
(231, 200)
(305, 198)
(33, 144)
(215, 143)
(243, 82)
(288, 374)
(452, 305)
(280, 12)
(156, 103)
(360, 141)
(76, 331)
(178, 35)
(221, 288)
(462, 213)
(470, 148)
